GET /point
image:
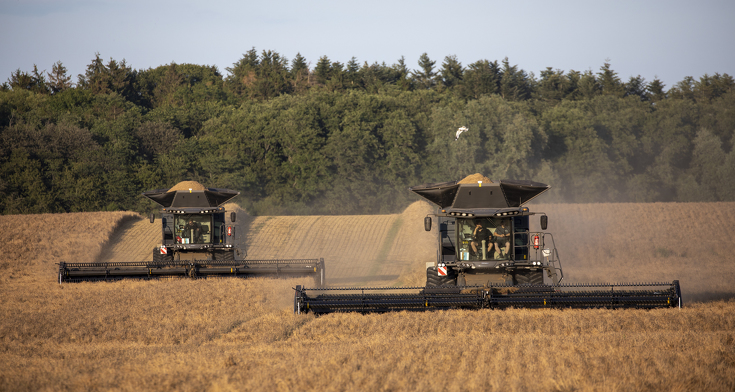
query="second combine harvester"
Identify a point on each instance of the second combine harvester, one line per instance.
(196, 242)
(488, 257)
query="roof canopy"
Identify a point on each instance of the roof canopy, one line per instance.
(503, 194)
(209, 197)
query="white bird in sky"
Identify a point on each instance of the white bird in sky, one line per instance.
(459, 132)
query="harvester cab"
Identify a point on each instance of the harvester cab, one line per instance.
(484, 234)
(193, 224)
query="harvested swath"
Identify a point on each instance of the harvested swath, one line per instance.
(186, 185)
(474, 178)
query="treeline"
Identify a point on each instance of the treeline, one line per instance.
(350, 138)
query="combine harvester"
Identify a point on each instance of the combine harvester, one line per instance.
(196, 242)
(487, 257)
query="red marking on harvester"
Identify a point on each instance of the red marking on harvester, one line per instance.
(442, 271)
(229, 230)
(164, 250)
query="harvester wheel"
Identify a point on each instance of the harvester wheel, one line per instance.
(432, 277)
(156, 255)
(534, 278)
(227, 255)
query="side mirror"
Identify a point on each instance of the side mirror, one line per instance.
(427, 223)
(152, 217)
(544, 222)
(232, 216)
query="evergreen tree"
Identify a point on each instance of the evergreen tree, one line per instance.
(609, 81)
(684, 89)
(554, 85)
(710, 87)
(323, 70)
(34, 81)
(656, 90)
(515, 84)
(481, 78)
(20, 80)
(242, 73)
(451, 72)
(95, 78)
(352, 74)
(58, 79)
(637, 86)
(587, 85)
(425, 77)
(336, 80)
(402, 74)
(299, 74)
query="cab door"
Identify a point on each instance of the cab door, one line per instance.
(167, 228)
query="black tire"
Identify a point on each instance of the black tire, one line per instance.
(225, 255)
(157, 255)
(432, 277)
(536, 278)
(530, 278)
(167, 257)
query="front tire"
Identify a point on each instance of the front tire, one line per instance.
(225, 255)
(433, 279)
(530, 278)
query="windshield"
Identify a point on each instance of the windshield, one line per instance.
(193, 229)
(483, 238)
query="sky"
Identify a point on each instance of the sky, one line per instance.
(664, 39)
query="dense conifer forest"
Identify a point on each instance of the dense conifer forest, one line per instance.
(350, 138)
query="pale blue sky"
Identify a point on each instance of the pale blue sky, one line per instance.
(669, 39)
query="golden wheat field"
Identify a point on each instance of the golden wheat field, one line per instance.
(241, 334)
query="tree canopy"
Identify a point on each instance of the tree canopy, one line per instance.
(351, 138)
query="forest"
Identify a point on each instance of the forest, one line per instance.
(351, 138)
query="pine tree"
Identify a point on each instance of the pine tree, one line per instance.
(299, 74)
(425, 77)
(323, 69)
(299, 66)
(656, 90)
(610, 83)
(352, 73)
(58, 79)
(554, 85)
(637, 86)
(481, 78)
(515, 84)
(34, 81)
(402, 75)
(451, 72)
(242, 73)
(96, 77)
